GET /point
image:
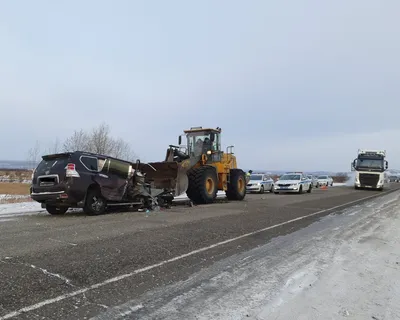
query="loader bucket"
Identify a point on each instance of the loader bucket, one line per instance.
(168, 175)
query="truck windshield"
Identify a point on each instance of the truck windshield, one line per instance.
(255, 177)
(369, 163)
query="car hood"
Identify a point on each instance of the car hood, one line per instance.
(254, 181)
(288, 181)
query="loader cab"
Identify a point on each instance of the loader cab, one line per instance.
(202, 141)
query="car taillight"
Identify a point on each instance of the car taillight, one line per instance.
(71, 171)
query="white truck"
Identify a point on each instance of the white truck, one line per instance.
(370, 167)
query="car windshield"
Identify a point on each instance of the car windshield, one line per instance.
(290, 177)
(323, 177)
(256, 177)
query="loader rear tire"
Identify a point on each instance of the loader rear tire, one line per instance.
(203, 185)
(237, 185)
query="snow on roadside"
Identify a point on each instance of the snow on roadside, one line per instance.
(4, 197)
(184, 197)
(19, 208)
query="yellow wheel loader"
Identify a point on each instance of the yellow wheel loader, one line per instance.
(198, 168)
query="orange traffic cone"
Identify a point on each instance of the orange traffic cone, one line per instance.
(324, 187)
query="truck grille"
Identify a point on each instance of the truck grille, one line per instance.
(369, 179)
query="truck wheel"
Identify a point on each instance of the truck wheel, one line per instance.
(56, 210)
(237, 185)
(95, 203)
(203, 185)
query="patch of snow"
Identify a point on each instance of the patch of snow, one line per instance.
(339, 184)
(184, 197)
(20, 208)
(12, 196)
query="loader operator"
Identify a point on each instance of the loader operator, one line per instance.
(198, 148)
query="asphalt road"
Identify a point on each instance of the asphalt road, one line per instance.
(79, 267)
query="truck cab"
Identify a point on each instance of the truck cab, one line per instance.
(370, 167)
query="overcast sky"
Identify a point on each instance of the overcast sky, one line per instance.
(294, 85)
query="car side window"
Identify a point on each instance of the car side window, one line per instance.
(90, 163)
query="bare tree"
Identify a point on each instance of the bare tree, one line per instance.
(100, 140)
(33, 155)
(54, 148)
(79, 141)
(123, 151)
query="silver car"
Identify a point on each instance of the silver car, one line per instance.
(314, 180)
(260, 182)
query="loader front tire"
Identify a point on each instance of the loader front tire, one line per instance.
(237, 185)
(203, 185)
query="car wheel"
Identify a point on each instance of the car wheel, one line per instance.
(309, 189)
(262, 189)
(300, 190)
(95, 203)
(272, 188)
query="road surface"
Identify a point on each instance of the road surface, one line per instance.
(80, 267)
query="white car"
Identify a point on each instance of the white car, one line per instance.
(325, 181)
(260, 182)
(293, 182)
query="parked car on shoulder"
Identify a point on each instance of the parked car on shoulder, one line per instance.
(293, 182)
(325, 180)
(260, 182)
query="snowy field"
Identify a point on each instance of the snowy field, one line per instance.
(346, 266)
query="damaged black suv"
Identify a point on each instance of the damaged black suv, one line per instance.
(89, 181)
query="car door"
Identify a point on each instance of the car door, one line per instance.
(267, 182)
(306, 184)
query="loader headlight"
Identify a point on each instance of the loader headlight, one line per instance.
(209, 152)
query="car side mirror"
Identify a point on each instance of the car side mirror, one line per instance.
(179, 140)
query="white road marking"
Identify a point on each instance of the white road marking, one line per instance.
(141, 270)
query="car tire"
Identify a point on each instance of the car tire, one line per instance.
(300, 190)
(262, 189)
(309, 189)
(272, 188)
(54, 210)
(275, 192)
(95, 203)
